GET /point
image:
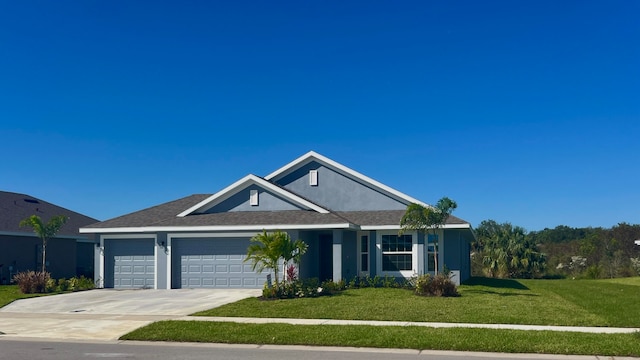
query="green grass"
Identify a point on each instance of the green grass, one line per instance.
(10, 293)
(510, 341)
(540, 302)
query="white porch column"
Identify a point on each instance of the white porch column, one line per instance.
(337, 255)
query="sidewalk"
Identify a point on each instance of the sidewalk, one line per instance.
(583, 329)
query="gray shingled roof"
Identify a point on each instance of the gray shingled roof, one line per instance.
(166, 215)
(16, 207)
(152, 216)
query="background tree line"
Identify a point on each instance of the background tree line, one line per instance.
(508, 251)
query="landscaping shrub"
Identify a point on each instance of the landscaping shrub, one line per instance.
(439, 285)
(293, 289)
(31, 282)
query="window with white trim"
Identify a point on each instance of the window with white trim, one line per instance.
(397, 253)
(432, 251)
(364, 253)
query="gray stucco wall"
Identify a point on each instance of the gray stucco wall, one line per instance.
(349, 255)
(267, 201)
(162, 261)
(336, 191)
(457, 251)
(23, 253)
(309, 261)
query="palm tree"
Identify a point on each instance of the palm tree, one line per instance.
(266, 250)
(508, 251)
(44, 231)
(428, 219)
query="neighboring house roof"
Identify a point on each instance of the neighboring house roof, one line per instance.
(16, 207)
(350, 173)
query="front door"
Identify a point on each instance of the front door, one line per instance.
(326, 256)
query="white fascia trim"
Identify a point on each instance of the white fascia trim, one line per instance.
(153, 229)
(312, 155)
(397, 227)
(243, 183)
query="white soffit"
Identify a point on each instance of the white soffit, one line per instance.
(312, 155)
(243, 183)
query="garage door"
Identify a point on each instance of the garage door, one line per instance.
(129, 263)
(213, 263)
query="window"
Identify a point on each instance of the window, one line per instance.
(313, 177)
(253, 197)
(364, 254)
(432, 247)
(397, 252)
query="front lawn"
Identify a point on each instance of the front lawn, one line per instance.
(540, 302)
(410, 337)
(10, 293)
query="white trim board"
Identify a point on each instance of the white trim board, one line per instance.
(243, 183)
(153, 229)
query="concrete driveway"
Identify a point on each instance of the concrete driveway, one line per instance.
(106, 314)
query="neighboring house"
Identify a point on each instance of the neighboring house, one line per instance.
(349, 221)
(68, 254)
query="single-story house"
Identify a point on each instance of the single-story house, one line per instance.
(349, 221)
(68, 254)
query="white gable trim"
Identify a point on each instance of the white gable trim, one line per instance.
(312, 155)
(243, 183)
(397, 227)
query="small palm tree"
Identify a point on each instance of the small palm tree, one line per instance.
(44, 231)
(266, 250)
(428, 219)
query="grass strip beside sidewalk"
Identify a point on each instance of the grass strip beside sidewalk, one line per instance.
(461, 339)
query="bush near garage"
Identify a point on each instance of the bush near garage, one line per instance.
(33, 282)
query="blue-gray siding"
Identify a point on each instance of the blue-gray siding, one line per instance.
(267, 201)
(336, 191)
(457, 251)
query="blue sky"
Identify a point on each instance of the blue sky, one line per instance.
(521, 111)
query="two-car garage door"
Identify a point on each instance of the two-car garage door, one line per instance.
(212, 263)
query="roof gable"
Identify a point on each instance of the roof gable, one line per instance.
(312, 156)
(244, 183)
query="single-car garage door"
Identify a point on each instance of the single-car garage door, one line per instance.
(129, 263)
(213, 263)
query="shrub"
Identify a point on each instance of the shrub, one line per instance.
(31, 282)
(439, 285)
(330, 287)
(293, 289)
